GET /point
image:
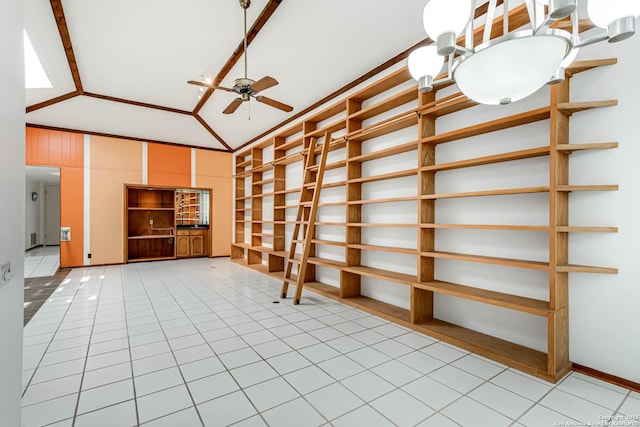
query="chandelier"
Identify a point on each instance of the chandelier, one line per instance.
(518, 63)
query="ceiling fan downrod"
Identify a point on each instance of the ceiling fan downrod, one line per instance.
(245, 5)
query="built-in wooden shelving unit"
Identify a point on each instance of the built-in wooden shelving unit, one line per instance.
(366, 115)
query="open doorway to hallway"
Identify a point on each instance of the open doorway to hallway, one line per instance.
(42, 221)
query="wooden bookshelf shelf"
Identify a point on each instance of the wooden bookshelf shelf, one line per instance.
(581, 147)
(512, 302)
(401, 120)
(502, 192)
(384, 249)
(498, 158)
(570, 108)
(507, 262)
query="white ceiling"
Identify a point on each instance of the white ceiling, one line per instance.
(146, 50)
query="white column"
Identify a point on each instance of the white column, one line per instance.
(87, 199)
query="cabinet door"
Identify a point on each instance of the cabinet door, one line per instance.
(197, 245)
(182, 247)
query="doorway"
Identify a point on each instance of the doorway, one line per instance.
(42, 221)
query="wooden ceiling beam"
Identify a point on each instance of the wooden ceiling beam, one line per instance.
(267, 12)
(136, 103)
(212, 132)
(58, 13)
(52, 101)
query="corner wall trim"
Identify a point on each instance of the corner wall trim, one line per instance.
(87, 200)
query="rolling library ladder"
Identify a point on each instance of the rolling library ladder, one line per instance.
(304, 228)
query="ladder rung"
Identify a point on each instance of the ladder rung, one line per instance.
(313, 168)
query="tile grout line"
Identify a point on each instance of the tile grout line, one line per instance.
(86, 360)
(126, 324)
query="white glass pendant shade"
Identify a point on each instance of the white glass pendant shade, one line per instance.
(425, 61)
(509, 70)
(604, 12)
(442, 16)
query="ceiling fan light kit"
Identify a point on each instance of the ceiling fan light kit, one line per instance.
(514, 66)
(245, 87)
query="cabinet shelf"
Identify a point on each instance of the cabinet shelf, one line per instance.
(136, 208)
(152, 236)
(263, 182)
(243, 164)
(506, 157)
(507, 262)
(391, 225)
(290, 144)
(504, 192)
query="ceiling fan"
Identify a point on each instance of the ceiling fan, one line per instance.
(246, 87)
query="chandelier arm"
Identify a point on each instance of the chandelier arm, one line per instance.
(505, 15)
(592, 40)
(468, 37)
(488, 25)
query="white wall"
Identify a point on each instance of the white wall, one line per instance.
(12, 185)
(604, 325)
(33, 212)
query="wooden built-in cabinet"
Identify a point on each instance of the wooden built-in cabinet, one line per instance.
(151, 219)
(192, 243)
(365, 116)
(150, 224)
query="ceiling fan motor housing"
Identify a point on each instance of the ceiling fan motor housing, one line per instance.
(243, 86)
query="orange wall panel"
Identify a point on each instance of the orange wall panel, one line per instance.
(66, 151)
(114, 163)
(169, 165)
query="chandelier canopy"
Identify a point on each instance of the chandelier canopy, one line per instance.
(511, 67)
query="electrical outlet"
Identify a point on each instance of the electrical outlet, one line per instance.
(151, 223)
(5, 275)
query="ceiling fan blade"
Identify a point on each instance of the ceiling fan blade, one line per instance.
(231, 108)
(274, 103)
(193, 82)
(210, 86)
(264, 83)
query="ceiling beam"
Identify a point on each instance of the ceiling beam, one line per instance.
(136, 103)
(212, 132)
(58, 13)
(267, 12)
(130, 138)
(52, 101)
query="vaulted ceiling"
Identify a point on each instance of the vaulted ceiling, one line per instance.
(120, 67)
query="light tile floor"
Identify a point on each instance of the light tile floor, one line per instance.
(200, 342)
(41, 262)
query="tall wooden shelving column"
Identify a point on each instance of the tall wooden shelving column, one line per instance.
(350, 282)
(558, 324)
(255, 257)
(422, 299)
(276, 263)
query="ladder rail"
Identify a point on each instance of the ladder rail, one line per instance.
(307, 213)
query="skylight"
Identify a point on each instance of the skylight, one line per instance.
(34, 75)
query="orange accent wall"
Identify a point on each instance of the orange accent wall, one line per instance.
(214, 170)
(66, 151)
(169, 165)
